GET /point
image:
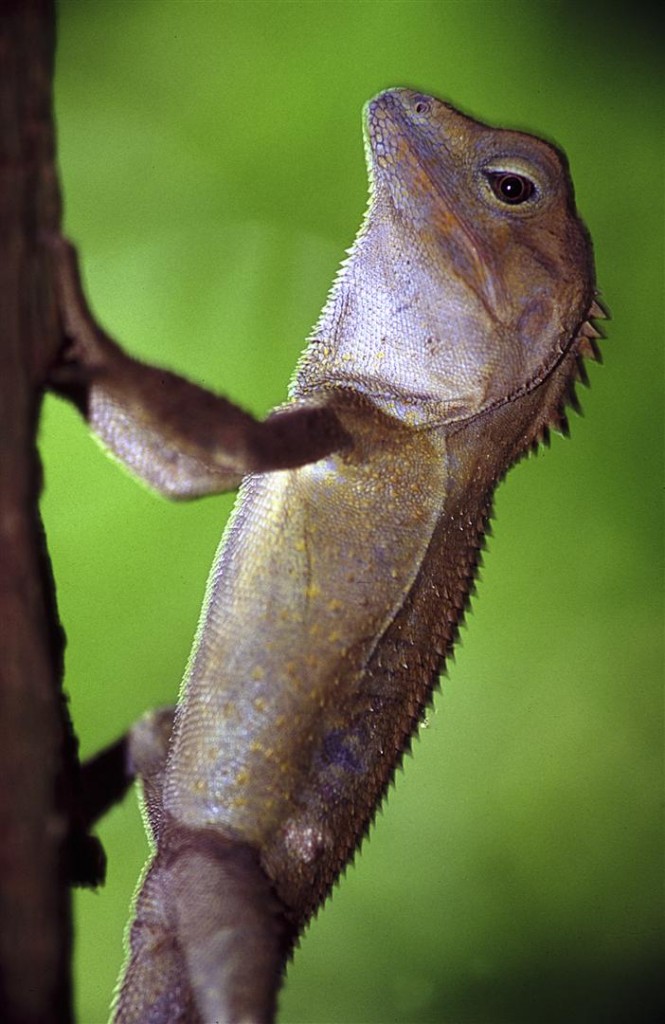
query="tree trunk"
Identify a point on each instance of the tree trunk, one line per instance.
(35, 920)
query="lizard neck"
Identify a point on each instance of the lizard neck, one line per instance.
(390, 331)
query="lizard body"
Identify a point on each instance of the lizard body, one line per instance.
(449, 345)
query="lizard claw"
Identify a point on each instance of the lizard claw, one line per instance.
(85, 347)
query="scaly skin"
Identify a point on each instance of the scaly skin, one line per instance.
(449, 345)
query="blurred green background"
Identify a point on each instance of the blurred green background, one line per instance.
(213, 171)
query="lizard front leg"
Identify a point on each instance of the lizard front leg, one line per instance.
(181, 439)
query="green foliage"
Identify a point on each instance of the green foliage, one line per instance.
(213, 171)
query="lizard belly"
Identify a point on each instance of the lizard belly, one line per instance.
(313, 567)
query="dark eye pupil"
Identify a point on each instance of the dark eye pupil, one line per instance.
(511, 188)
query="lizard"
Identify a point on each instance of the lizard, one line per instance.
(449, 346)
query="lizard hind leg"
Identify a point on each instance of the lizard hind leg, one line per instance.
(154, 987)
(209, 940)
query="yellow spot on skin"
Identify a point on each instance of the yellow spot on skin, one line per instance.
(313, 590)
(257, 673)
(242, 778)
(335, 605)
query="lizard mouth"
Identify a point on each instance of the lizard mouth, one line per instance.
(414, 164)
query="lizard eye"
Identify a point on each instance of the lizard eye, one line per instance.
(511, 188)
(421, 104)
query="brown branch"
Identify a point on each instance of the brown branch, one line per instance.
(37, 748)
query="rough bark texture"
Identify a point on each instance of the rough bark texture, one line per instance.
(35, 928)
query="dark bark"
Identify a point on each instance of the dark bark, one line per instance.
(37, 749)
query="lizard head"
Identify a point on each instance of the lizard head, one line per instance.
(484, 220)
